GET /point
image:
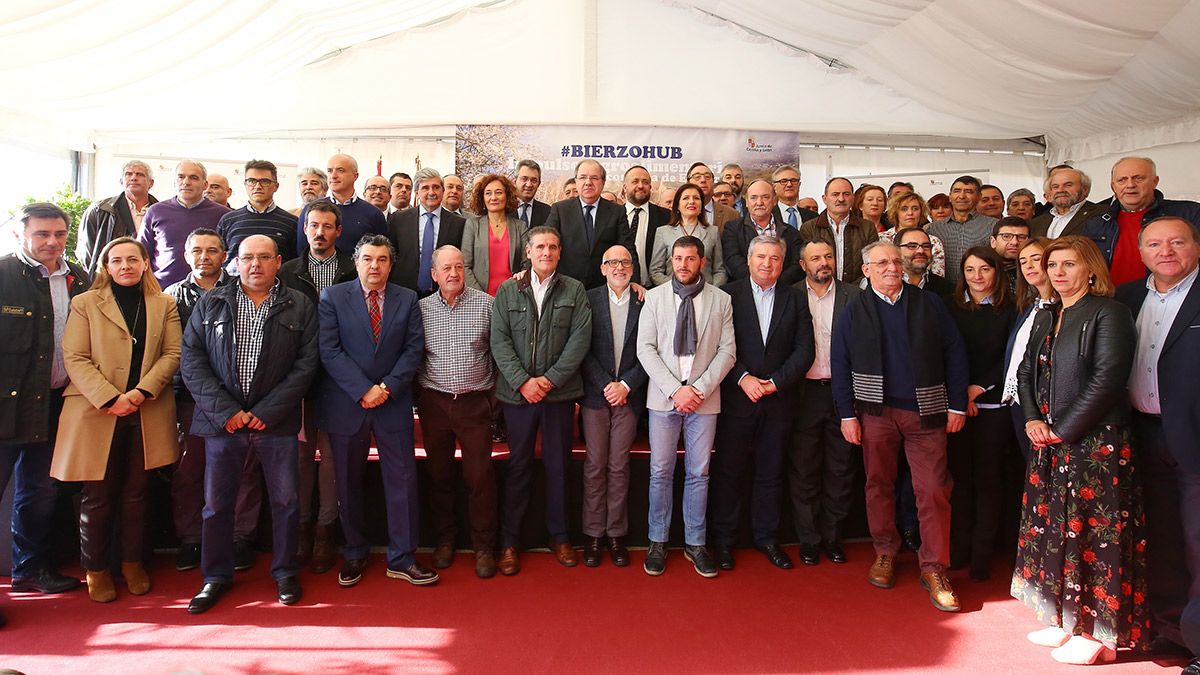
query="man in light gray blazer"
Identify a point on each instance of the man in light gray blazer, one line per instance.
(686, 345)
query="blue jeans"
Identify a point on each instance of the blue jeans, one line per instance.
(225, 459)
(33, 504)
(698, 434)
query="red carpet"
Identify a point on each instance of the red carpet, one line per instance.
(756, 619)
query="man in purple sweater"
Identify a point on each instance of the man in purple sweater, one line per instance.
(168, 223)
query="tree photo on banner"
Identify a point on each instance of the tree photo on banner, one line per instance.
(666, 152)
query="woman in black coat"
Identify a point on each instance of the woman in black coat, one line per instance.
(983, 309)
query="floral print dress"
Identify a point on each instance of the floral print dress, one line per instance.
(1081, 551)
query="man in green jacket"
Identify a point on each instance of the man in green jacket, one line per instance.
(541, 331)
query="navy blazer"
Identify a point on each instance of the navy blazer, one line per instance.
(599, 368)
(354, 363)
(404, 231)
(785, 358)
(1178, 372)
(610, 227)
(735, 246)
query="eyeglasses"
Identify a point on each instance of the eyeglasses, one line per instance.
(913, 246)
(1009, 236)
(894, 262)
(619, 264)
(787, 181)
(261, 182)
(375, 188)
(701, 174)
(722, 194)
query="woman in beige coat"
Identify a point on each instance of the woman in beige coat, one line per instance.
(120, 348)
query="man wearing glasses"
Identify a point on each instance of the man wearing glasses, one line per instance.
(259, 216)
(916, 253)
(789, 211)
(377, 192)
(1009, 234)
(899, 380)
(715, 213)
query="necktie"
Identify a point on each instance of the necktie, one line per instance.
(525, 214)
(376, 315)
(588, 223)
(792, 217)
(637, 218)
(424, 280)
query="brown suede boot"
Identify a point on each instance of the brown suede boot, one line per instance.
(100, 586)
(323, 554)
(135, 577)
(305, 548)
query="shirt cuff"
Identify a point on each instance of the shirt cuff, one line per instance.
(956, 412)
(623, 384)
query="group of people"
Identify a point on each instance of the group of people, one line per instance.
(1023, 374)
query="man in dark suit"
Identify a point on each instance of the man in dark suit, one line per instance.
(774, 338)
(614, 390)
(416, 233)
(760, 220)
(916, 252)
(1066, 190)
(788, 211)
(820, 471)
(529, 179)
(372, 341)
(589, 225)
(644, 216)
(1166, 419)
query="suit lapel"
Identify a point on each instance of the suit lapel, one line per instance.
(1186, 317)
(110, 309)
(705, 313)
(358, 307)
(776, 313)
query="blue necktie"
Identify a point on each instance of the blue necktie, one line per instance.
(589, 224)
(792, 217)
(525, 214)
(424, 280)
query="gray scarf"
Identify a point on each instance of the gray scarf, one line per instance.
(685, 318)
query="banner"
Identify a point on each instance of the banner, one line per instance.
(666, 152)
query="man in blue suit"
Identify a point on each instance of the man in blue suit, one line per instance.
(1166, 418)
(372, 341)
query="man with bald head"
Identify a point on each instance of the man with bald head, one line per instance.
(168, 223)
(1136, 201)
(644, 216)
(589, 225)
(760, 221)
(1166, 421)
(218, 189)
(839, 227)
(377, 191)
(359, 216)
(249, 356)
(1066, 190)
(453, 189)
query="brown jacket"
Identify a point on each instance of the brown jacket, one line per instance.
(723, 214)
(858, 234)
(96, 351)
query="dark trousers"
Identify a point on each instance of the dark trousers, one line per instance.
(556, 422)
(33, 496)
(884, 437)
(187, 484)
(609, 433)
(225, 464)
(1172, 500)
(820, 472)
(398, 466)
(977, 457)
(761, 437)
(122, 490)
(467, 418)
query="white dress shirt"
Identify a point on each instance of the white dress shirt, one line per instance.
(1060, 221)
(1153, 323)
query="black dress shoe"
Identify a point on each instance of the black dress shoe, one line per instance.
(912, 540)
(1192, 668)
(45, 582)
(591, 552)
(834, 552)
(243, 555)
(188, 557)
(723, 554)
(618, 551)
(414, 574)
(351, 572)
(810, 554)
(207, 597)
(776, 555)
(288, 589)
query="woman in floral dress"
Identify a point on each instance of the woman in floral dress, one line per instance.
(1081, 549)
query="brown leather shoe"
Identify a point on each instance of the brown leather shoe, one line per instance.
(510, 562)
(135, 578)
(485, 564)
(443, 555)
(566, 555)
(940, 593)
(883, 572)
(323, 553)
(101, 587)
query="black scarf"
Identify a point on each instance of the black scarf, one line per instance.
(925, 345)
(685, 318)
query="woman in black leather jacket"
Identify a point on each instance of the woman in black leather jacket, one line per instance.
(1081, 549)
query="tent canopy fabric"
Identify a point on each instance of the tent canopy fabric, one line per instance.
(1091, 78)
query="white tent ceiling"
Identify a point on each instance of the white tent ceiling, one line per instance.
(1091, 77)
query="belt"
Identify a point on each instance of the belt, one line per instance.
(455, 397)
(819, 383)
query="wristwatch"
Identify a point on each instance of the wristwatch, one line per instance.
(383, 386)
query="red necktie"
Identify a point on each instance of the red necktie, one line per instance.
(376, 315)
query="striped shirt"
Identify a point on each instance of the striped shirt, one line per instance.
(458, 354)
(248, 334)
(322, 272)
